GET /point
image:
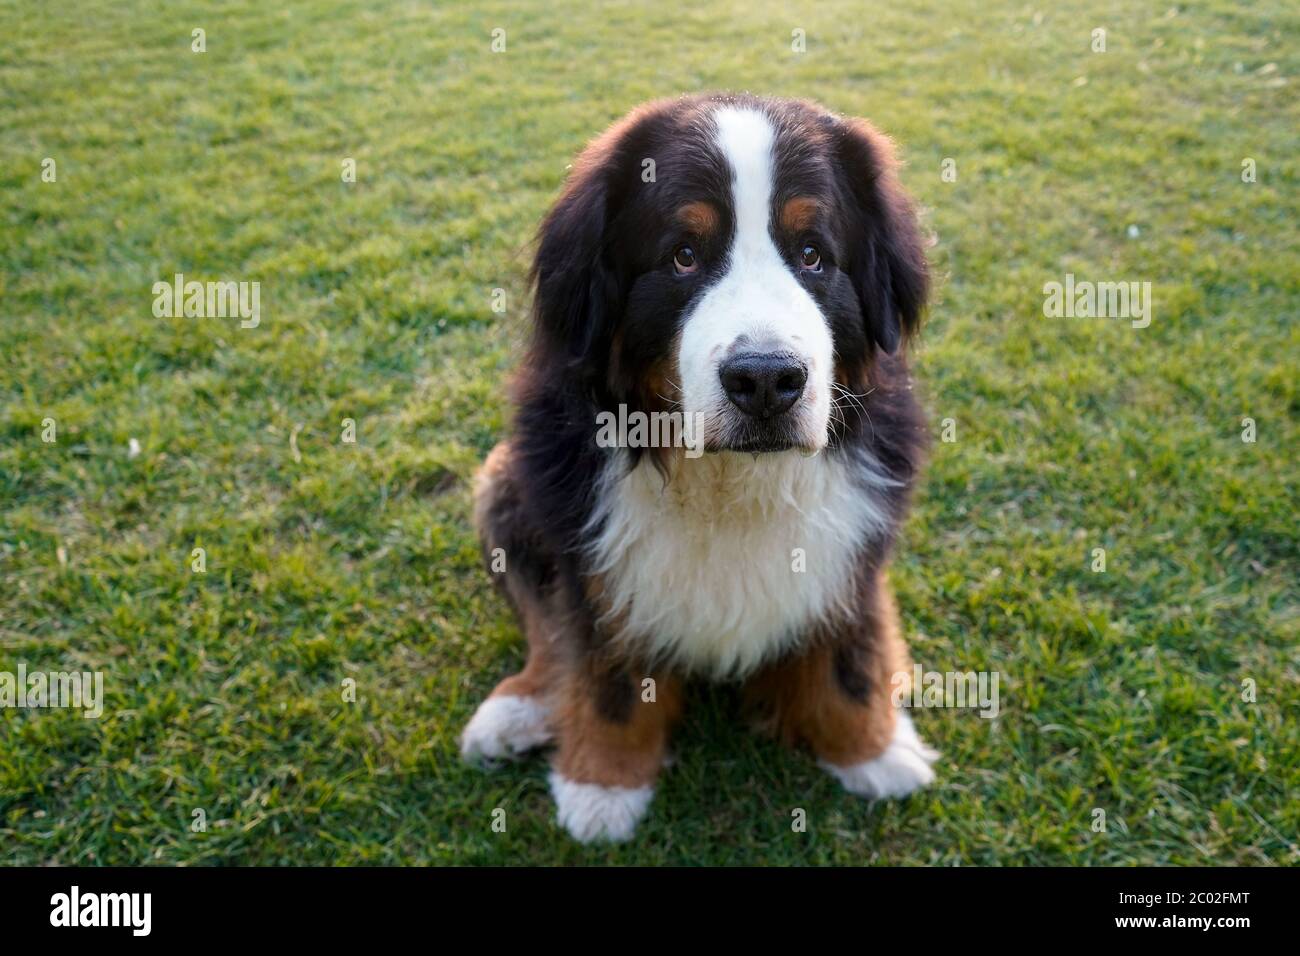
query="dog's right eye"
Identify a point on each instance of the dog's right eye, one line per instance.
(684, 260)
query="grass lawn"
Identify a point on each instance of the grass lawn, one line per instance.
(326, 561)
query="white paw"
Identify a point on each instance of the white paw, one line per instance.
(591, 812)
(504, 727)
(902, 768)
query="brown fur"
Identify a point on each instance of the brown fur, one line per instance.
(613, 753)
(699, 217)
(804, 700)
(799, 214)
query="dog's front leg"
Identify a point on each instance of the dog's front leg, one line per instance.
(837, 696)
(612, 728)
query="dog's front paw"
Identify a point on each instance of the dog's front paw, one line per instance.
(902, 768)
(504, 726)
(591, 812)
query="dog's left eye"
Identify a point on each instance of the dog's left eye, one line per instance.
(810, 259)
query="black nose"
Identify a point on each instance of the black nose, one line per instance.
(763, 385)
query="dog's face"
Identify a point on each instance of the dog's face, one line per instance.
(740, 261)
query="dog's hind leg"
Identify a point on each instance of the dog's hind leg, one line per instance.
(609, 724)
(516, 717)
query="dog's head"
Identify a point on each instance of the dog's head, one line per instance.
(742, 261)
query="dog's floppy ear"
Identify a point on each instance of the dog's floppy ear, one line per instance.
(578, 289)
(886, 256)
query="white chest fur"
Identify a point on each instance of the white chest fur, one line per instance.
(727, 565)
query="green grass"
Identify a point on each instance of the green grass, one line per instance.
(327, 561)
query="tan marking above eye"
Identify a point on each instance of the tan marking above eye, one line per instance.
(800, 214)
(698, 217)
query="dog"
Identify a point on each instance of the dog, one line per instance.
(753, 266)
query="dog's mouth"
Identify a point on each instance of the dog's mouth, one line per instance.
(761, 447)
(763, 438)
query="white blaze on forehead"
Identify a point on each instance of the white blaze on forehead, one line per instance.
(748, 141)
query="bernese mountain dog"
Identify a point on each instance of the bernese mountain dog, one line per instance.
(753, 267)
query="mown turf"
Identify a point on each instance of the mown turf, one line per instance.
(1121, 691)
